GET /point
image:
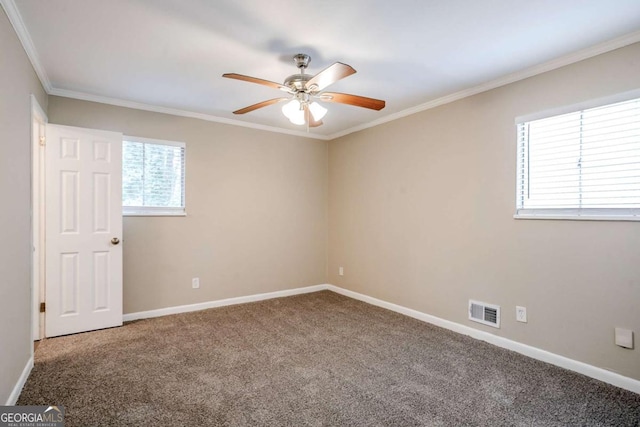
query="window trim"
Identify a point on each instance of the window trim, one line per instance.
(574, 214)
(152, 210)
(585, 105)
(563, 214)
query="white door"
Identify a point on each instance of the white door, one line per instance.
(83, 230)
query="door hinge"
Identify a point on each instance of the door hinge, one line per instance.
(43, 140)
(42, 307)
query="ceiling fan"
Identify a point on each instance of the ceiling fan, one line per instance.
(305, 90)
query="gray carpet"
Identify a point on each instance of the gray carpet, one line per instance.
(319, 359)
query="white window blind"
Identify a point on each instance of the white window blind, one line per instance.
(153, 175)
(581, 164)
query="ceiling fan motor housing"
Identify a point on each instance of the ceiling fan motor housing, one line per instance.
(297, 81)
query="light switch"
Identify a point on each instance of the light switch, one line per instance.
(624, 338)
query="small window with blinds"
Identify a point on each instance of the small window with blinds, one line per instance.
(152, 177)
(581, 165)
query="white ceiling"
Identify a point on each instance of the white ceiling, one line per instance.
(170, 54)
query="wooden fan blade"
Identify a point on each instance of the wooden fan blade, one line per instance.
(259, 105)
(358, 101)
(256, 80)
(329, 75)
(309, 118)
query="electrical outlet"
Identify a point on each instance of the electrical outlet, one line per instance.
(624, 338)
(341, 271)
(195, 282)
(521, 314)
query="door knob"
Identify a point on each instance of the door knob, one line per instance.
(115, 241)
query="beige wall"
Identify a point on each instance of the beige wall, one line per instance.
(17, 82)
(420, 214)
(256, 210)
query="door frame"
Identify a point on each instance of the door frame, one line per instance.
(39, 121)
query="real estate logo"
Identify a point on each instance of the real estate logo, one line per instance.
(31, 416)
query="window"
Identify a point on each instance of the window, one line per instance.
(152, 177)
(581, 165)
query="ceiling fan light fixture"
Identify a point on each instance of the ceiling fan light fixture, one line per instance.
(289, 109)
(298, 119)
(300, 109)
(293, 111)
(317, 111)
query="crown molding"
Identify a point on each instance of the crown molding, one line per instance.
(559, 62)
(18, 24)
(177, 112)
(25, 38)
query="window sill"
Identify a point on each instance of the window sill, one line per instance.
(153, 212)
(578, 217)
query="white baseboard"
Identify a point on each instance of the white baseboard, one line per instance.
(15, 393)
(221, 303)
(533, 352)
